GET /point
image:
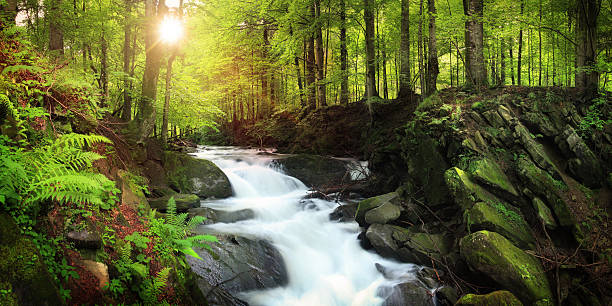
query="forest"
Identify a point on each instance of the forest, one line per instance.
(306, 152)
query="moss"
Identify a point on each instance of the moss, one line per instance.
(21, 265)
(488, 172)
(495, 298)
(7, 296)
(196, 176)
(366, 205)
(429, 103)
(544, 213)
(498, 218)
(465, 191)
(492, 254)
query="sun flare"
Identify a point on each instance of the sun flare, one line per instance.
(171, 30)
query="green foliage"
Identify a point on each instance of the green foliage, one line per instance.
(594, 120)
(138, 240)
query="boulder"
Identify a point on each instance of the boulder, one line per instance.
(535, 150)
(344, 213)
(314, 170)
(446, 296)
(542, 184)
(544, 214)
(495, 298)
(221, 216)
(85, 238)
(23, 269)
(183, 202)
(239, 264)
(495, 256)
(383, 214)
(198, 176)
(503, 219)
(585, 166)
(371, 203)
(420, 248)
(408, 293)
(131, 194)
(464, 190)
(380, 237)
(488, 173)
(99, 270)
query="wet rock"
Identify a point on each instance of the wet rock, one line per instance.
(221, 216)
(495, 256)
(239, 264)
(383, 214)
(494, 298)
(446, 296)
(381, 238)
(183, 202)
(344, 213)
(503, 219)
(368, 204)
(314, 170)
(197, 176)
(408, 293)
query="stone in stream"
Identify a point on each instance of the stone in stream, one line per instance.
(183, 202)
(197, 176)
(314, 170)
(221, 216)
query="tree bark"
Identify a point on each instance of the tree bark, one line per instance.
(433, 69)
(321, 88)
(404, 89)
(56, 35)
(153, 49)
(420, 50)
(167, 93)
(311, 68)
(510, 52)
(9, 12)
(126, 115)
(344, 90)
(476, 70)
(368, 17)
(519, 57)
(104, 70)
(502, 53)
(587, 77)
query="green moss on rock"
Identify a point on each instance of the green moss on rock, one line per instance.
(464, 190)
(500, 218)
(371, 203)
(489, 173)
(492, 254)
(197, 176)
(495, 298)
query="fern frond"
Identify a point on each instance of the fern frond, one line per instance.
(194, 222)
(78, 140)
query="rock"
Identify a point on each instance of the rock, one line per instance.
(381, 238)
(586, 166)
(374, 202)
(503, 219)
(446, 296)
(464, 190)
(495, 298)
(542, 184)
(422, 247)
(383, 214)
(494, 118)
(344, 213)
(408, 293)
(131, 194)
(314, 170)
(535, 150)
(183, 202)
(489, 173)
(86, 238)
(239, 264)
(23, 269)
(197, 176)
(495, 256)
(505, 113)
(221, 216)
(99, 270)
(544, 214)
(542, 123)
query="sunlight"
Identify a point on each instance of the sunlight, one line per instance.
(171, 30)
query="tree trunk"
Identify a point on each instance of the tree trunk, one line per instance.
(384, 71)
(104, 70)
(587, 76)
(368, 17)
(153, 51)
(433, 68)
(344, 90)
(56, 35)
(502, 53)
(311, 68)
(9, 12)
(510, 52)
(540, 47)
(519, 57)
(126, 115)
(476, 70)
(319, 56)
(164, 128)
(420, 50)
(404, 89)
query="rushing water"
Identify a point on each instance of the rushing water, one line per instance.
(324, 261)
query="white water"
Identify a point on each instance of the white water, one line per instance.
(324, 261)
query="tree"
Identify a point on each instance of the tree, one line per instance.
(519, 57)
(128, 51)
(9, 12)
(432, 65)
(56, 35)
(404, 90)
(587, 76)
(344, 91)
(153, 15)
(474, 36)
(368, 17)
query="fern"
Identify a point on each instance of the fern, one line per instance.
(152, 288)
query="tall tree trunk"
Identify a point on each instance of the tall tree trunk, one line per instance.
(296, 63)
(319, 56)
(311, 68)
(153, 15)
(104, 70)
(540, 46)
(502, 53)
(476, 70)
(519, 57)
(404, 89)
(126, 115)
(433, 68)
(384, 71)
(344, 90)
(56, 35)
(368, 17)
(510, 52)
(587, 77)
(420, 50)
(9, 12)
(167, 93)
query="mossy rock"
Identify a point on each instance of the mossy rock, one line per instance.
(488, 172)
(544, 214)
(542, 184)
(22, 267)
(495, 256)
(385, 213)
(495, 298)
(371, 203)
(197, 176)
(314, 170)
(131, 194)
(183, 202)
(422, 247)
(503, 219)
(464, 190)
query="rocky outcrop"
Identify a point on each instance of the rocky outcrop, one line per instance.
(314, 170)
(192, 175)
